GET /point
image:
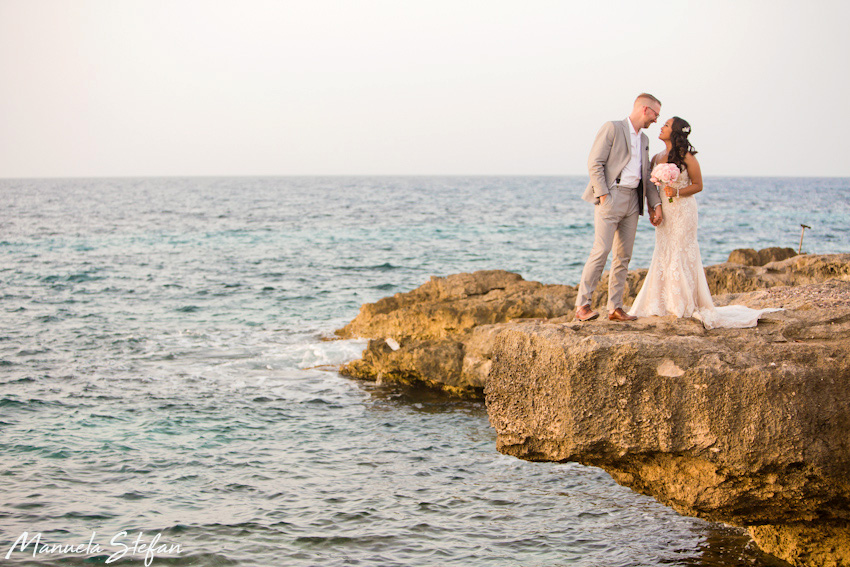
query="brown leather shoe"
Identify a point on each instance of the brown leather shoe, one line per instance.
(585, 313)
(619, 315)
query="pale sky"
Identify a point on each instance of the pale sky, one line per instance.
(423, 87)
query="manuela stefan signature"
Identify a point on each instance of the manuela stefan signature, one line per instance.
(150, 548)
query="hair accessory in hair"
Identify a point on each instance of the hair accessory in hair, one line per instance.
(686, 129)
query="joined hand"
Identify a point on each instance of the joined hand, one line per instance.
(655, 217)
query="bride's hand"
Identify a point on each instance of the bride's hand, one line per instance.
(669, 191)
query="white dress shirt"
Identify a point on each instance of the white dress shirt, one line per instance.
(630, 176)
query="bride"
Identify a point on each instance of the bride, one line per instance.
(676, 283)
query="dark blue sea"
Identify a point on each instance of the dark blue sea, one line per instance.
(166, 379)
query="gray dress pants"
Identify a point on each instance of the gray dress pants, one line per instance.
(615, 224)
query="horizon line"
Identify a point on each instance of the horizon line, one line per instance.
(445, 175)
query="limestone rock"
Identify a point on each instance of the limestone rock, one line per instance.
(744, 426)
(455, 316)
(750, 257)
(443, 328)
(452, 306)
(798, 270)
(416, 362)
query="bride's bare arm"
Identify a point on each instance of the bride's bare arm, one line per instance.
(695, 173)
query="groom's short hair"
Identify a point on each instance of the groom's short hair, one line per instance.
(647, 98)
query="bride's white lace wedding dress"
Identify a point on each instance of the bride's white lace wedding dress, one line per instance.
(676, 283)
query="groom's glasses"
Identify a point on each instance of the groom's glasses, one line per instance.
(653, 111)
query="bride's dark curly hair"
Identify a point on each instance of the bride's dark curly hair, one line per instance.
(681, 146)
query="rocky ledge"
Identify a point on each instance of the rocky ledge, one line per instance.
(744, 426)
(442, 333)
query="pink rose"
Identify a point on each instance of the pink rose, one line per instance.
(664, 174)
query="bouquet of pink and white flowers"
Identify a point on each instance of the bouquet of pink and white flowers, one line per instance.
(664, 174)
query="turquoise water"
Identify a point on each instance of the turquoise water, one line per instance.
(164, 370)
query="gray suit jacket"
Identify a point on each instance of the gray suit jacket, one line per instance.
(610, 153)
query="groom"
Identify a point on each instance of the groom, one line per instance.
(619, 177)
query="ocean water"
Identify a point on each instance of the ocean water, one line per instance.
(165, 372)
